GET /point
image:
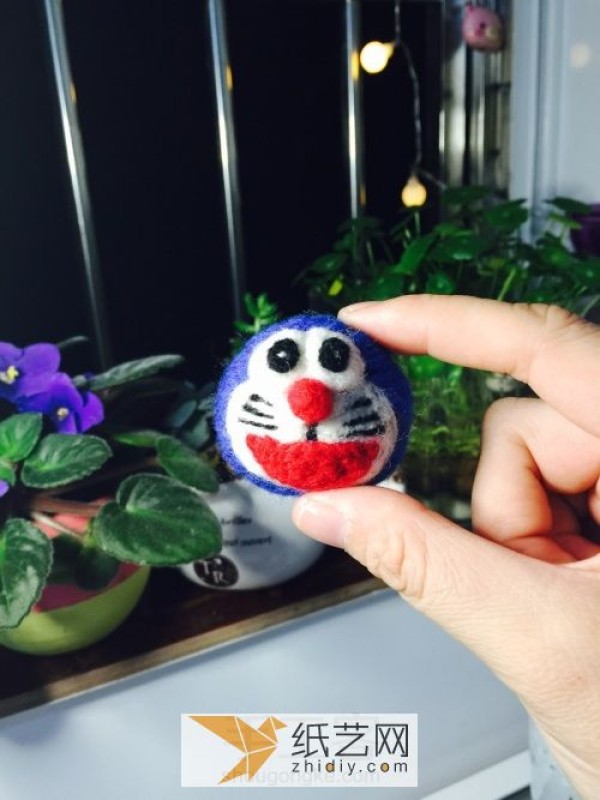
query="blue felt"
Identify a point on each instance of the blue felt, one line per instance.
(381, 370)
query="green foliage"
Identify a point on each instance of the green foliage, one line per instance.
(261, 312)
(19, 435)
(25, 560)
(60, 459)
(7, 472)
(138, 438)
(158, 521)
(94, 569)
(359, 262)
(190, 417)
(80, 561)
(182, 463)
(129, 372)
(479, 249)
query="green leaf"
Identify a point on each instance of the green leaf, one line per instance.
(440, 283)
(347, 243)
(66, 548)
(139, 438)
(250, 304)
(94, 569)
(329, 263)
(385, 287)
(413, 255)
(25, 561)
(186, 466)
(243, 327)
(266, 307)
(447, 229)
(399, 231)
(555, 255)
(566, 222)
(183, 410)
(496, 262)
(133, 371)
(156, 520)
(62, 458)
(570, 206)
(72, 341)
(19, 435)
(78, 560)
(507, 216)
(335, 288)
(424, 367)
(464, 195)
(7, 472)
(462, 246)
(586, 272)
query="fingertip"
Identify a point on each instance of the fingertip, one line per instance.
(354, 312)
(320, 520)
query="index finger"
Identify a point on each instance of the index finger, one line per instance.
(555, 352)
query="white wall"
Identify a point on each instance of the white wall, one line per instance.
(556, 100)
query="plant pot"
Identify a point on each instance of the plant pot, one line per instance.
(67, 618)
(261, 545)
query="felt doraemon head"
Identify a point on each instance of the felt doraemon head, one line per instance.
(311, 404)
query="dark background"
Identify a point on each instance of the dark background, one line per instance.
(144, 83)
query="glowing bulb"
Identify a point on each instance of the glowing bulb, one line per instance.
(414, 193)
(375, 55)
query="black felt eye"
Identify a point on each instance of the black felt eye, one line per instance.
(283, 355)
(334, 355)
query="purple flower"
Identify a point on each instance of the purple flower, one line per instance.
(4, 487)
(25, 372)
(71, 411)
(586, 240)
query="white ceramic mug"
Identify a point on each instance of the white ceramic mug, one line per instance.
(261, 545)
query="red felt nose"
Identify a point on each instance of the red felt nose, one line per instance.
(310, 400)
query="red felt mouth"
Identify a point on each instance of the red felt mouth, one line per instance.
(310, 466)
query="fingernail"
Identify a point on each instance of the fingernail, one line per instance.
(320, 520)
(356, 308)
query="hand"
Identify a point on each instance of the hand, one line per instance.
(524, 595)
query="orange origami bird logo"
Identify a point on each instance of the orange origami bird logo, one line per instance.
(257, 744)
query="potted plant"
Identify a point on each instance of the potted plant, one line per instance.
(261, 545)
(72, 566)
(479, 249)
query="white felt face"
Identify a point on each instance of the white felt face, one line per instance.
(319, 360)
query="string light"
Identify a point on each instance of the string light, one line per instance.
(374, 58)
(414, 193)
(375, 55)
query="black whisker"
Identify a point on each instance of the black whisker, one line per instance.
(251, 410)
(256, 398)
(258, 424)
(374, 417)
(378, 429)
(363, 402)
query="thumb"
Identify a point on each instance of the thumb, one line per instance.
(490, 598)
